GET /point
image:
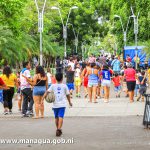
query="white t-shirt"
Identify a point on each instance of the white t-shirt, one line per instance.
(60, 91)
(77, 72)
(23, 82)
(72, 65)
(49, 78)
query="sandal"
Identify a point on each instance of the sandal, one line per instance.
(35, 117)
(86, 95)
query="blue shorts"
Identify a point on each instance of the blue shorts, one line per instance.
(70, 86)
(117, 88)
(1, 96)
(49, 85)
(59, 112)
(39, 90)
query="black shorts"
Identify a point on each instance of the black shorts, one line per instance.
(131, 85)
(142, 90)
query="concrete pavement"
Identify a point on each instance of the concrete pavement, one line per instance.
(81, 107)
(103, 126)
(97, 133)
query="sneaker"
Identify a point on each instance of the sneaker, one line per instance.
(29, 113)
(24, 115)
(138, 98)
(86, 95)
(98, 97)
(127, 95)
(105, 101)
(6, 113)
(10, 112)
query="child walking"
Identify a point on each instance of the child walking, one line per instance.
(62, 94)
(70, 80)
(117, 84)
(78, 80)
(85, 79)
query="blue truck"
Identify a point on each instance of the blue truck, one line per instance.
(132, 50)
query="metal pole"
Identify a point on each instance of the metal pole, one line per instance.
(68, 16)
(136, 42)
(125, 37)
(82, 51)
(41, 54)
(65, 40)
(40, 28)
(124, 32)
(76, 48)
(65, 45)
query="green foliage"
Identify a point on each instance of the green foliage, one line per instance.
(19, 37)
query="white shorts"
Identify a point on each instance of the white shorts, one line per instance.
(106, 83)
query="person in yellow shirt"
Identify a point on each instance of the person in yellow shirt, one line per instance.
(10, 80)
(148, 73)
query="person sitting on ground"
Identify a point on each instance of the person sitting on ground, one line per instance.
(61, 91)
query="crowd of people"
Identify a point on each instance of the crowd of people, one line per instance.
(96, 74)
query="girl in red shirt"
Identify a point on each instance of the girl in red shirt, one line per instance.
(117, 84)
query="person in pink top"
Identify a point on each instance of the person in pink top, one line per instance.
(92, 59)
(130, 76)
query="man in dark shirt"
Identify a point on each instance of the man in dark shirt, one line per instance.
(70, 80)
(58, 65)
(142, 80)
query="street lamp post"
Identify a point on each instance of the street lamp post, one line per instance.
(123, 29)
(64, 26)
(40, 28)
(136, 34)
(76, 35)
(83, 51)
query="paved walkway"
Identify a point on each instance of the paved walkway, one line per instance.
(103, 126)
(81, 107)
(88, 133)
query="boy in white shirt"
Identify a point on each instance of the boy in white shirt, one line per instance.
(62, 94)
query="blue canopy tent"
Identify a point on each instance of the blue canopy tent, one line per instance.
(132, 50)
